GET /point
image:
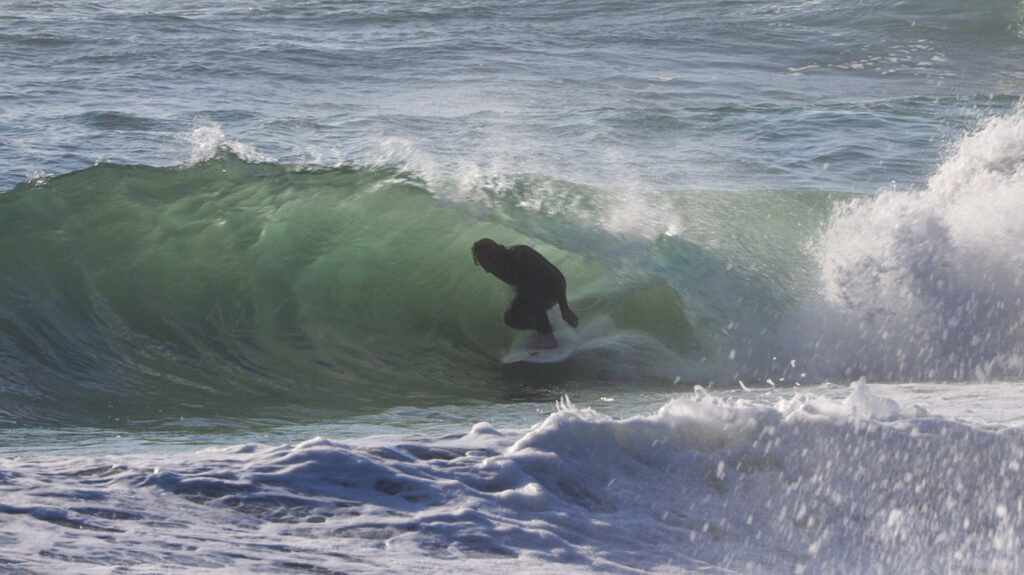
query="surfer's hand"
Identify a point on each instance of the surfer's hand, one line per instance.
(570, 317)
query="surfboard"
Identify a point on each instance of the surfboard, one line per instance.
(568, 342)
(520, 353)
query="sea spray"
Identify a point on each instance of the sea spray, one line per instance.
(927, 284)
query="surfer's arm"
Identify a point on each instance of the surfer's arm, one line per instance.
(563, 303)
(568, 315)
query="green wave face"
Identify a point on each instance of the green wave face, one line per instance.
(229, 287)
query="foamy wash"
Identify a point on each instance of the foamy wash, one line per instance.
(241, 329)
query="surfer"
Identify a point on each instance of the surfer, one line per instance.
(539, 286)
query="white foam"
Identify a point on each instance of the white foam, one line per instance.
(867, 404)
(207, 138)
(831, 479)
(928, 284)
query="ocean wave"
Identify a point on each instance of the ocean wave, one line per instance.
(926, 284)
(235, 285)
(231, 284)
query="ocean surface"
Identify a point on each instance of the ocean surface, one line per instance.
(241, 330)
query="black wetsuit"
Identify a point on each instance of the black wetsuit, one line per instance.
(539, 286)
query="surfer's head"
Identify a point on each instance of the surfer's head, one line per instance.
(487, 253)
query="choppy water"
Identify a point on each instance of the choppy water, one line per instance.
(228, 230)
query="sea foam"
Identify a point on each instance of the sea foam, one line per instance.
(927, 284)
(766, 481)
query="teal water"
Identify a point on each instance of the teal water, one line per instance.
(228, 286)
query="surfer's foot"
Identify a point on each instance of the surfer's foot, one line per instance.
(543, 341)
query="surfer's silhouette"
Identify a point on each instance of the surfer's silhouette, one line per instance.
(539, 286)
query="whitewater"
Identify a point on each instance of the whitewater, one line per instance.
(241, 330)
